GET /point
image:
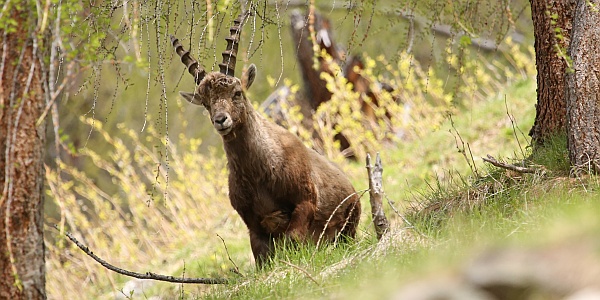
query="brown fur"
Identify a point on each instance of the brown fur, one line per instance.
(279, 187)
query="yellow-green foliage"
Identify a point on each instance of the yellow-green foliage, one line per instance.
(480, 78)
(413, 108)
(419, 103)
(141, 226)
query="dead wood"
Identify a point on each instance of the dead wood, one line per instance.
(490, 159)
(375, 172)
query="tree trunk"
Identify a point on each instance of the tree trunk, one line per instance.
(22, 271)
(552, 28)
(583, 89)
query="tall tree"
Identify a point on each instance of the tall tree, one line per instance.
(583, 88)
(22, 270)
(552, 28)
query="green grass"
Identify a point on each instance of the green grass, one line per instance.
(367, 270)
(485, 126)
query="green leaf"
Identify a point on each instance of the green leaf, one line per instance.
(465, 40)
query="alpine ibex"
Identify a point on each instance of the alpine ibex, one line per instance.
(279, 187)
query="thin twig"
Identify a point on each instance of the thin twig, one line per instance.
(301, 270)
(147, 275)
(236, 269)
(183, 276)
(55, 95)
(461, 148)
(339, 234)
(490, 159)
(333, 213)
(514, 127)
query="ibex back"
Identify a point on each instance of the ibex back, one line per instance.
(280, 188)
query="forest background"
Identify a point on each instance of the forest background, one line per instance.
(139, 176)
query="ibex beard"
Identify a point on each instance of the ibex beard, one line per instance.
(279, 187)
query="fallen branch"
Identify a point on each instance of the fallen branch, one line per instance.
(147, 275)
(490, 159)
(375, 172)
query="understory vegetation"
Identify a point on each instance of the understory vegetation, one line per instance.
(172, 216)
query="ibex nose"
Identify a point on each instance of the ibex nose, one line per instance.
(220, 119)
(222, 123)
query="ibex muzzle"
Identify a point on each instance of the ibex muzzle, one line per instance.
(280, 188)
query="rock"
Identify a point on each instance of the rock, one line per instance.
(569, 270)
(551, 272)
(441, 289)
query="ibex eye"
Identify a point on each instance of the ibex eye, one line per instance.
(237, 94)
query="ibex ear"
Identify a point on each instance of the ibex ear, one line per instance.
(249, 75)
(191, 97)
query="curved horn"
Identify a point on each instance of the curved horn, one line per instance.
(192, 65)
(227, 67)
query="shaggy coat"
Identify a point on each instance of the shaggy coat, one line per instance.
(280, 188)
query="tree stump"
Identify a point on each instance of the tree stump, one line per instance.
(375, 172)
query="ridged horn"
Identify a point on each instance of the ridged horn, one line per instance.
(192, 65)
(227, 67)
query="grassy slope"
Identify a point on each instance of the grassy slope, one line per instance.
(430, 172)
(531, 209)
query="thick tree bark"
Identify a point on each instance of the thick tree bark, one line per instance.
(550, 51)
(22, 271)
(583, 89)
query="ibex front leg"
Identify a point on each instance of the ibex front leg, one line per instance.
(262, 247)
(301, 220)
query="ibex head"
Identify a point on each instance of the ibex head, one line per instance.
(221, 93)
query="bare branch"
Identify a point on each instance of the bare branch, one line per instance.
(411, 32)
(461, 148)
(147, 275)
(490, 159)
